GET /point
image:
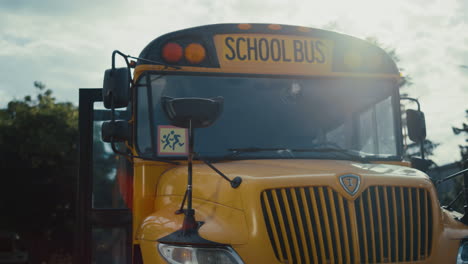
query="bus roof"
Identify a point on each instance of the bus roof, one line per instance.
(267, 49)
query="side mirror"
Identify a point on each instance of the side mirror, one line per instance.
(115, 131)
(203, 112)
(116, 88)
(416, 125)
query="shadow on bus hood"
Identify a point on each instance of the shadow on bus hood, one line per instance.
(258, 175)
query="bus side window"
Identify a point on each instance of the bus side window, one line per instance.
(375, 128)
(367, 132)
(341, 134)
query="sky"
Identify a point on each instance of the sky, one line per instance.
(68, 44)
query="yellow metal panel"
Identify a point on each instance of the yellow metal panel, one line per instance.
(250, 240)
(395, 221)
(354, 231)
(335, 224)
(309, 225)
(345, 233)
(207, 184)
(361, 207)
(283, 228)
(388, 217)
(371, 218)
(292, 230)
(379, 218)
(229, 59)
(327, 227)
(426, 217)
(146, 176)
(301, 225)
(221, 223)
(319, 226)
(274, 230)
(410, 202)
(419, 225)
(403, 217)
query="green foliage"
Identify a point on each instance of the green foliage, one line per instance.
(463, 149)
(406, 80)
(463, 164)
(39, 158)
(38, 133)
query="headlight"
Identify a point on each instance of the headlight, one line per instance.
(462, 257)
(198, 255)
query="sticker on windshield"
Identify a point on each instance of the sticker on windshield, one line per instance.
(172, 141)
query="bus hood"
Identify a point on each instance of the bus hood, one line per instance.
(259, 175)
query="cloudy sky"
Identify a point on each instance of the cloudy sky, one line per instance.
(67, 44)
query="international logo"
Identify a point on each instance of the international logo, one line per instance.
(350, 183)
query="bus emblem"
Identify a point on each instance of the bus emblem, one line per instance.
(350, 183)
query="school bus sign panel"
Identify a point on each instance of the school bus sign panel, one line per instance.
(274, 54)
(172, 141)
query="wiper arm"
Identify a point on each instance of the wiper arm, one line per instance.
(256, 149)
(234, 182)
(237, 151)
(351, 154)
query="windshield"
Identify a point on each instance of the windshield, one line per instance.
(276, 117)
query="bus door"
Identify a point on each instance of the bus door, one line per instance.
(103, 227)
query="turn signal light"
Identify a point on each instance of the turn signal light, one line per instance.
(195, 53)
(172, 52)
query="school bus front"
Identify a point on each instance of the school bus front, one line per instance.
(310, 123)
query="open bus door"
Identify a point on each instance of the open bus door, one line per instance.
(103, 227)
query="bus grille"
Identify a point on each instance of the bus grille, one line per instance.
(317, 225)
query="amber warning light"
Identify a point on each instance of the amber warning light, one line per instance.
(194, 53)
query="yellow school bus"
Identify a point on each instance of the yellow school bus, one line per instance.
(266, 143)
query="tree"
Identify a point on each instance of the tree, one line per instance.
(453, 195)
(39, 158)
(463, 149)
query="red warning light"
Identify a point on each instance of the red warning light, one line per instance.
(172, 52)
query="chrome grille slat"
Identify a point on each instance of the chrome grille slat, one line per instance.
(313, 225)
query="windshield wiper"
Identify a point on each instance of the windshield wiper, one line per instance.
(353, 155)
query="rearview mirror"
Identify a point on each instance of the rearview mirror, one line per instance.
(115, 131)
(202, 112)
(416, 125)
(116, 89)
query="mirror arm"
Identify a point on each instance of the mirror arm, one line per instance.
(137, 58)
(236, 182)
(126, 62)
(413, 100)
